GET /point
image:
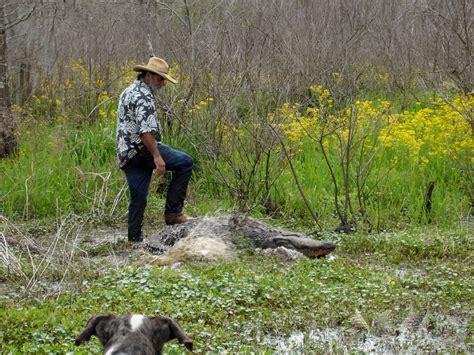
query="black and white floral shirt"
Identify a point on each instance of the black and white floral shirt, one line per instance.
(136, 114)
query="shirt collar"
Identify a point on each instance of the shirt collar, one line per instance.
(142, 84)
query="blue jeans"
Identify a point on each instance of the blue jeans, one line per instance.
(138, 172)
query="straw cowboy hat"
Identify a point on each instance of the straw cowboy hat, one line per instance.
(158, 66)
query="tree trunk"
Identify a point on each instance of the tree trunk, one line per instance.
(8, 141)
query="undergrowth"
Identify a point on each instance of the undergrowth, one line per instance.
(377, 180)
(232, 307)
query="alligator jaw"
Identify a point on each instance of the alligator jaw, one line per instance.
(309, 247)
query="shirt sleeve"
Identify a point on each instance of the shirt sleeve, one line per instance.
(145, 115)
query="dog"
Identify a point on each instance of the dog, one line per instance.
(133, 334)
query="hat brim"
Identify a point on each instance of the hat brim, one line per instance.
(164, 75)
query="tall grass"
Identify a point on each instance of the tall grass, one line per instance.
(60, 167)
(397, 200)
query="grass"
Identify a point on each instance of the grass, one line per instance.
(239, 306)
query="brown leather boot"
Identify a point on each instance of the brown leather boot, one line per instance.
(170, 220)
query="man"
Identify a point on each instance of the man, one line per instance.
(140, 151)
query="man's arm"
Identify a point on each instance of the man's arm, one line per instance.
(150, 144)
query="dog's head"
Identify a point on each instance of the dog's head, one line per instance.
(133, 333)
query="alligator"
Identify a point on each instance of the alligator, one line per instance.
(226, 232)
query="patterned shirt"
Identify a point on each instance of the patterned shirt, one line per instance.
(136, 114)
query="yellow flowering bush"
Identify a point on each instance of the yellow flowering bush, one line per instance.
(441, 130)
(200, 105)
(296, 121)
(110, 78)
(370, 148)
(75, 97)
(229, 134)
(103, 97)
(107, 108)
(321, 120)
(291, 121)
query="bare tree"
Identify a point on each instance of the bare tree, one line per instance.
(8, 142)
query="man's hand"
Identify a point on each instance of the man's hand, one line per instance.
(150, 144)
(160, 165)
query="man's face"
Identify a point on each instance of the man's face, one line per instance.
(155, 81)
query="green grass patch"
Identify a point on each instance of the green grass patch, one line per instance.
(230, 307)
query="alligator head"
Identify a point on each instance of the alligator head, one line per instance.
(306, 246)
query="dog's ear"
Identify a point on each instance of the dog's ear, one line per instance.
(170, 326)
(95, 327)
